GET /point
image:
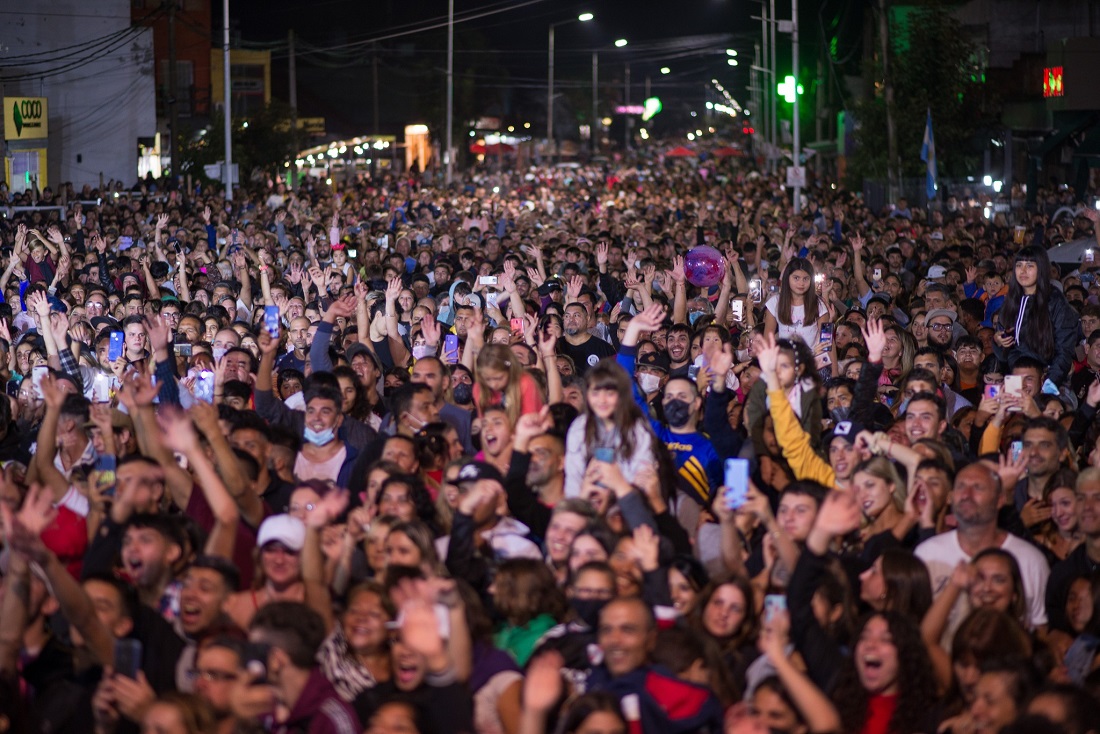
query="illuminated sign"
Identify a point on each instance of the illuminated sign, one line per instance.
(652, 107)
(26, 118)
(786, 89)
(1052, 82)
(629, 109)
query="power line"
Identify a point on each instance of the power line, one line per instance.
(85, 45)
(414, 31)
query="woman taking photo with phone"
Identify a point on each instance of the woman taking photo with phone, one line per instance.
(1036, 319)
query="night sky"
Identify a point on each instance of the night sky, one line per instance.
(500, 59)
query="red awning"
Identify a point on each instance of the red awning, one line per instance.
(680, 152)
(493, 149)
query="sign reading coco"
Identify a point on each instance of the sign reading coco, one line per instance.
(26, 118)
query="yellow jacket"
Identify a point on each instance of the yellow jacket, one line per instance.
(795, 443)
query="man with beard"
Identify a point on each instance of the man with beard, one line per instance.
(678, 344)
(299, 337)
(535, 482)
(974, 501)
(432, 372)
(578, 344)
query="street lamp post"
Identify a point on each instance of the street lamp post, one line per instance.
(449, 155)
(593, 142)
(583, 18)
(227, 174)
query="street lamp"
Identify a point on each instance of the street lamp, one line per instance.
(582, 18)
(595, 96)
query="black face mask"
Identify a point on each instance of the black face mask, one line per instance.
(677, 413)
(463, 393)
(588, 610)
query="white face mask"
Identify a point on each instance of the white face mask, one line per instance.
(649, 383)
(421, 351)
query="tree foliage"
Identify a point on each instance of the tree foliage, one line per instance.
(934, 67)
(261, 147)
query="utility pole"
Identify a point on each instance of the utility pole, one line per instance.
(628, 123)
(375, 129)
(797, 151)
(775, 94)
(892, 188)
(173, 84)
(550, 96)
(227, 174)
(594, 142)
(293, 67)
(448, 157)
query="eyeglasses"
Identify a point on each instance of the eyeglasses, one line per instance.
(939, 327)
(211, 676)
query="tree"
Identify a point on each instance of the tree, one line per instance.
(262, 145)
(934, 67)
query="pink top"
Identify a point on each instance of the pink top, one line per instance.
(530, 396)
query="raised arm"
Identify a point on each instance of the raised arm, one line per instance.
(679, 303)
(857, 264)
(817, 709)
(231, 478)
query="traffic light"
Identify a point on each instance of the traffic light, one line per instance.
(786, 89)
(748, 130)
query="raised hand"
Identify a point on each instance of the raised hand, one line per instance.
(39, 305)
(531, 425)
(839, 514)
(573, 290)
(647, 548)
(543, 686)
(294, 273)
(857, 243)
(430, 330)
(267, 345)
(677, 272)
(52, 394)
(393, 290)
(601, 254)
(177, 431)
(874, 336)
(328, 508)
(767, 354)
(159, 332)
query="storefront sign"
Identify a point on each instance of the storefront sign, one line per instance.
(26, 118)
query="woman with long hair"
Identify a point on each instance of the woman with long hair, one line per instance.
(1061, 535)
(796, 311)
(1036, 320)
(897, 582)
(500, 380)
(611, 422)
(726, 613)
(887, 684)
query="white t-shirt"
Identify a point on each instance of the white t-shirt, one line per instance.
(798, 326)
(942, 553)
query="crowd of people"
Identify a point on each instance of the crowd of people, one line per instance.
(391, 458)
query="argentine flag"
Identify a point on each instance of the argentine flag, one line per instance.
(928, 155)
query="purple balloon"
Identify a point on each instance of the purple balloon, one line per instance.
(704, 266)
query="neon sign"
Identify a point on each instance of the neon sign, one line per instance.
(1052, 82)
